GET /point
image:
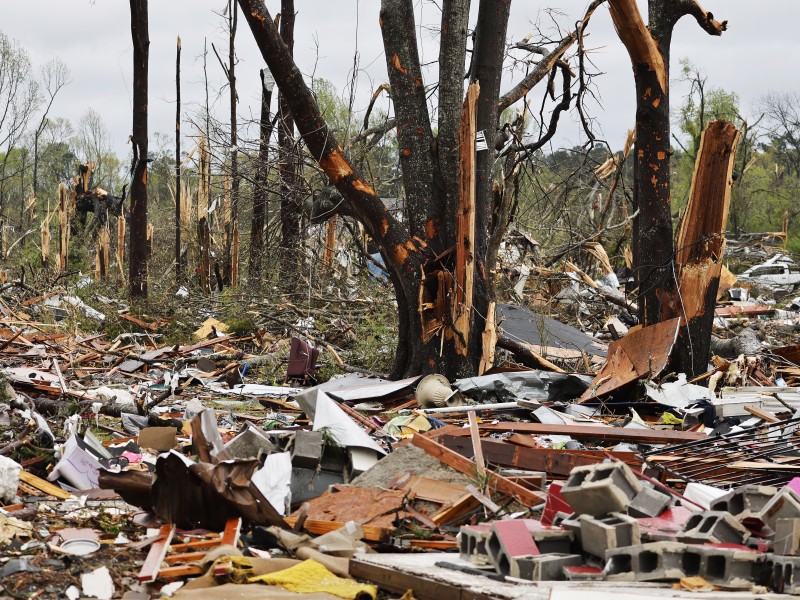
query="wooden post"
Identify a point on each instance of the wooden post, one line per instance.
(700, 246)
(461, 312)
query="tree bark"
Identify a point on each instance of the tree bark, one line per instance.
(700, 247)
(421, 253)
(649, 50)
(139, 249)
(260, 192)
(232, 239)
(178, 266)
(290, 211)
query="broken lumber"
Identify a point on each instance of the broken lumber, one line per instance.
(592, 432)
(460, 463)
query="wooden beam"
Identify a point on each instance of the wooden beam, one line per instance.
(553, 462)
(466, 466)
(596, 432)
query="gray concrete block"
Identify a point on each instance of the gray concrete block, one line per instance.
(250, 443)
(785, 574)
(656, 561)
(783, 505)
(552, 540)
(713, 527)
(472, 544)
(787, 537)
(600, 489)
(307, 449)
(734, 568)
(649, 503)
(544, 567)
(600, 534)
(744, 501)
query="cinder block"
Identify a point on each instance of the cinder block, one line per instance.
(729, 565)
(544, 567)
(656, 561)
(649, 503)
(472, 543)
(783, 505)
(785, 574)
(598, 535)
(787, 537)
(583, 573)
(744, 501)
(509, 539)
(600, 489)
(713, 527)
(550, 539)
(307, 449)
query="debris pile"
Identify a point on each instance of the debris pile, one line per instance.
(130, 467)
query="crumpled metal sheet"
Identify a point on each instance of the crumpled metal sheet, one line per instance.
(524, 385)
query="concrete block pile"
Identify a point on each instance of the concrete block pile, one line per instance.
(603, 523)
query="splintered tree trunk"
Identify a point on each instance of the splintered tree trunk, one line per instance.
(700, 246)
(290, 258)
(260, 193)
(178, 266)
(441, 249)
(649, 50)
(139, 246)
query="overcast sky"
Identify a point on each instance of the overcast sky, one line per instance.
(756, 55)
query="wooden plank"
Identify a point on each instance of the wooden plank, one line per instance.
(592, 432)
(155, 556)
(466, 466)
(476, 443)
(398, 582)
(553, 462)
(766, 415)
(466, 504)
(371, 534)
(44, 486)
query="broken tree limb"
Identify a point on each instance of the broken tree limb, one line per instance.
(526, 354)
(700, 247)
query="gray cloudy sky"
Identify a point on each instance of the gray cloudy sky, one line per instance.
(758, 54)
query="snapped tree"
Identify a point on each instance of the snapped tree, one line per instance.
(139, 249)
(441, 257)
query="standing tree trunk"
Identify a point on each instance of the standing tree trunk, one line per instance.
(139, 249)
(290, 210)
(649, 48)
(178, 266)
(260, 192)
(232, 247)
(431, 256)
